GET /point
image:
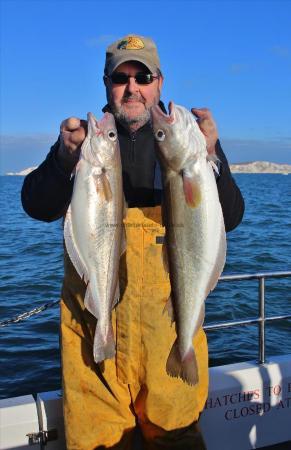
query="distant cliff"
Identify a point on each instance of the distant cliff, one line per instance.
(260, 167)
(23, 172)
(250, 167)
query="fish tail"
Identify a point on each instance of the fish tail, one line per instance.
(182, 367)
(104, 346)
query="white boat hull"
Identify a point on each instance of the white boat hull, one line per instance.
(249, 407)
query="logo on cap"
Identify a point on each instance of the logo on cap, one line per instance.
(130, 43)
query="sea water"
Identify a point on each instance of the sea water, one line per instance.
(32, 268)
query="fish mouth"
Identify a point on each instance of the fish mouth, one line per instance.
(106, 121)
(157, 113)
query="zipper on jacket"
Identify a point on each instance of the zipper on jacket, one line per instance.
(132, 147)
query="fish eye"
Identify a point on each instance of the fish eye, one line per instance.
(160, 135)
(112, 135)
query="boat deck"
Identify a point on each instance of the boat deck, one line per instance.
(282, 446)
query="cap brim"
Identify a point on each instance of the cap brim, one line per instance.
(133, 57)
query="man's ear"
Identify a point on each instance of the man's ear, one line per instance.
(161, 80)
(105, 80)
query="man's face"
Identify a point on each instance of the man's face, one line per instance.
(131, 102)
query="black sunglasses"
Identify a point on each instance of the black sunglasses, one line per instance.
(140, 78)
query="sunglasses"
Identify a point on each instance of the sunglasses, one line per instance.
(140, 78)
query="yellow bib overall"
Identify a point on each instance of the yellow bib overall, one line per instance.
(103, 402)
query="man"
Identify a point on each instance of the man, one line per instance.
(103, 403)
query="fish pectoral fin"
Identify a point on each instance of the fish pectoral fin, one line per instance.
(185, 368)
(103, 187)
(72, 247)
(192, 192)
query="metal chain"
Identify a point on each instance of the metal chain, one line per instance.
(28, 314)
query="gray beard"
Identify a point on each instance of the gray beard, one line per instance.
(133, 123)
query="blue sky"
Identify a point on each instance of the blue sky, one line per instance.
(230, 56)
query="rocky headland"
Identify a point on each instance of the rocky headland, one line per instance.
(23, 172)
(248, 167)
(260, 167)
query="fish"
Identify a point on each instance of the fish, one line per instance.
(195, 239)
(93, 228)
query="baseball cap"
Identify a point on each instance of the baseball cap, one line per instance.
(132, 48)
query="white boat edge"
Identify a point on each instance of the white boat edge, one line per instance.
(248, 407)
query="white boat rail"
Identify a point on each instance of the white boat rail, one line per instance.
(261, 319)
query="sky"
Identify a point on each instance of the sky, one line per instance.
(233, 57)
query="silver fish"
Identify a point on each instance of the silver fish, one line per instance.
(93, 230)
(195, 238)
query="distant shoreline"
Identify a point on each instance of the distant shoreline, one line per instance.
(260, 167)
(22, 173)
(248, 167)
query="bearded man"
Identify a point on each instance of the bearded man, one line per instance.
(104, 402)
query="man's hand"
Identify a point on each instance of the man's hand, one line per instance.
(207, 126)
(73, 133)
